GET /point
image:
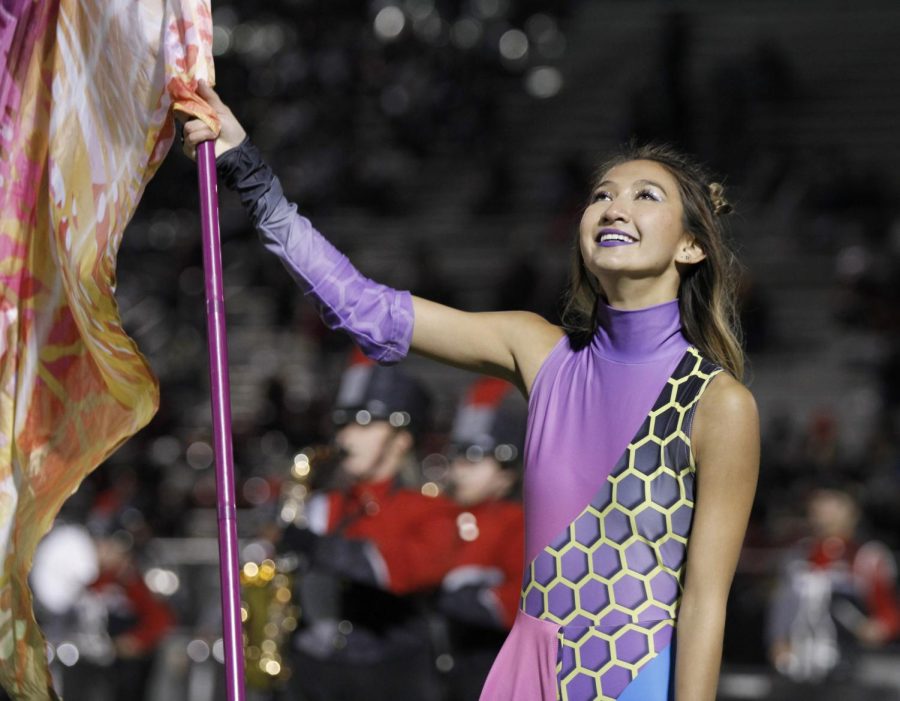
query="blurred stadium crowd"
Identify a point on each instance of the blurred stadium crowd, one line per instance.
(447, 146)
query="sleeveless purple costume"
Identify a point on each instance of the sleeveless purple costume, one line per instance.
(608, 507)
(609, 473)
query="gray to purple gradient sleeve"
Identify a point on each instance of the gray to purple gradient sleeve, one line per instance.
(379, 318)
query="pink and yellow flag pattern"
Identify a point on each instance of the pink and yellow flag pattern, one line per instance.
(87, 90)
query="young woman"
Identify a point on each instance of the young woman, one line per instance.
(643, 445)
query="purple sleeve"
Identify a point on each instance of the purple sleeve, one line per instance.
(379, 318)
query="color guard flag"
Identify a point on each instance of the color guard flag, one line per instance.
(87, 91)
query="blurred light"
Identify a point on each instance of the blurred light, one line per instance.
(467, 525)
(541, 27)
(162, 234)
(469, 533)
(273, 668)
(553, 47)
(64, 564)
(389, 23)
(288, 513)
(257, 491)
(444, 662)
(258, 41)
(199, 455)
(221, 40)
(466, 519)
(466, 33)
(430, 489)
(273, 39)
(435, 466)
(218, 650)
(513, 45)
(299, 492)
(399, 419)
(274, 444)
(488, 9)
(852, 261)
(543, 82)
(67, 654)
(165, 450)
(255, 551)
(301, 466)
(746, 686)
(198, 651)
(225, 16)
(505, 452)
(132, 518)
(419, 9)
(251, 569)
(161, 581)
(363, 417)
(267, 570)
(430, 28)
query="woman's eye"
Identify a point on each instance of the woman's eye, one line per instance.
(648, 195)
(601, 195)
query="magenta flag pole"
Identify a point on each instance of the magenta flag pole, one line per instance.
(221, 420)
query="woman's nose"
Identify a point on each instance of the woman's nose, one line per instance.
(616, 211)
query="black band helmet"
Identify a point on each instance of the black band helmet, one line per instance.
(490, 422)
(369, 392)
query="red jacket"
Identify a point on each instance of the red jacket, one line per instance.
(873, 572)
(132, 608)
(414, 535)
(492, 535)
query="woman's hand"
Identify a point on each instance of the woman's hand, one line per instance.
(196, 131)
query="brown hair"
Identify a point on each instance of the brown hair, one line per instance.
(707, 292)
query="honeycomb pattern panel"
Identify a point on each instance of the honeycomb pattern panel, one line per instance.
(612, 579)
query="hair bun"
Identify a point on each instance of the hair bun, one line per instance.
(720, 205)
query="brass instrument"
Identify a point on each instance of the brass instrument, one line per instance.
(295, 491)
(269, 617)
(268, 611)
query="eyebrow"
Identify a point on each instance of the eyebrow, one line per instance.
(642, 181)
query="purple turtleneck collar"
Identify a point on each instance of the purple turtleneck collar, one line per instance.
(639, 335)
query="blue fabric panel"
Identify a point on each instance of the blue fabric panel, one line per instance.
(655, 681)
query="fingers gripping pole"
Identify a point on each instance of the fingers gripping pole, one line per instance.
(221, 420)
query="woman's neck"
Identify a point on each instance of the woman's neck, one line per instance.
(627, 293)
(639, 335)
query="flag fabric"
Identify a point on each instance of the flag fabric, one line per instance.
(87, 91)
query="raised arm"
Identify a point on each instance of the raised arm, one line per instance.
(386, 323)
(510, 345)
(726, 448)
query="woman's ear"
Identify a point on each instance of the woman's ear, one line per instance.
(690, 252)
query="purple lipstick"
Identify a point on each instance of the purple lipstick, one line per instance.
(609, 237)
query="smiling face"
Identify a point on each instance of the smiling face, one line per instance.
(632, 235)
(372, 452)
